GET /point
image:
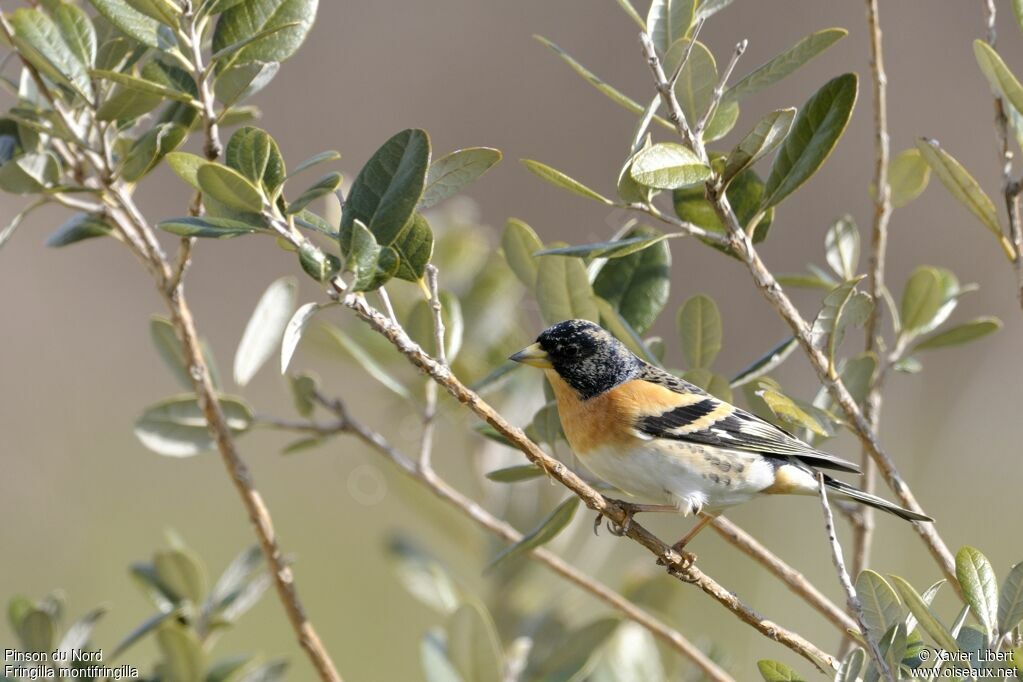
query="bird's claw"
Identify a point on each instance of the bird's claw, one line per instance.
(615, 528)
(680, 569)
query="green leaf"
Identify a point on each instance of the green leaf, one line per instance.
(423, 576)
(387, 189)
(216, 228)
(183, 658)
(1003, 82)
(766, 363)
(186, 166)
(789, 411)
(79, 633)
(669, 20)
(668, 165)
(228, 669)
(960, 334)
(161, 332)
(294, 330)
(574, 657)
(80, 226)
(473, 644)
(928, 621)
(40, 40)
(315, 160)
(367, 362)
(283, 25)
(881, 605)
(143, 86)
(322, 187)
(842, 247)
(449, 174)
(520, 244)
(303, 393)
(828, 327)
(37, 630)
(230, 187)
(253, 153)
(784, 64)
(163, 11)
(29, 173)
(613, 249)
(563, 291)
(363, 257)
(180, 571)
(858, 375)
(815, 132)
(78, 32)
(921, 299)
(980, 586)
(773, 671)
(150, 148)
(559, 179)
(963, 187)
(547, 530)
(637, 285)
(744, 194)
(265, 329)
(176, 427)
(274, 671)
(767, 134)
(126, 104)
(852, 666)
(1010, 603)
(908, 176)
(433, 656)
(522, 472)
(700, 331)
(695, 86)
(242, 81)
(415, 248)
(631, 655)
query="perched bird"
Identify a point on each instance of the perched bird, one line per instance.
(666, 441)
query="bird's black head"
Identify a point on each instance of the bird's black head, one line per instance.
(585, 355)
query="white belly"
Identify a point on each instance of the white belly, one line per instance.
(691, 477)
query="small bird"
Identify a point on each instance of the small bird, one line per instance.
(659, 438)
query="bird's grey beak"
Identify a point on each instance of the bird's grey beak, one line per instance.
(533, 355)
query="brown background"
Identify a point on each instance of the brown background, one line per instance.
(80, 498)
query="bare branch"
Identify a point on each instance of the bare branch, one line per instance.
(864, 526)
(795, 580)
(677, 565)
(855, 607)
(430, 412)
(686, 53)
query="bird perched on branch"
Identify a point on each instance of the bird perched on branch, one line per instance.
(668, 442)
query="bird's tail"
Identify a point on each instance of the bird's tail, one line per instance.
(846, 490)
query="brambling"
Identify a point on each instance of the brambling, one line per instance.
(659, 438)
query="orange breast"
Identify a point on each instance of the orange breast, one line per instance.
(607, 419)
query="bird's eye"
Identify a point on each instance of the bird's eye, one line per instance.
(570, 351)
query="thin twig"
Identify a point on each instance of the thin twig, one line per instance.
(855, 607)
(864, 526)
(430, 411)
(1010, 188)
(677, 565)
(742, 245)
(686, 53)
(795, 580)
(492, 524)
(719, 91)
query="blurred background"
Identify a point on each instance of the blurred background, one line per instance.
(81, 499)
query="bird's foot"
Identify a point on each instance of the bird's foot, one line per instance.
(680, 569)
(630, 510)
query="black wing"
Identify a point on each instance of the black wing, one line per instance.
(710, 421)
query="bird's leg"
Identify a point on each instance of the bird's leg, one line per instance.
(681, 544)
(630, 509)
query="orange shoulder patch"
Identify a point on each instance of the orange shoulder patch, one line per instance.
(608, 419)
